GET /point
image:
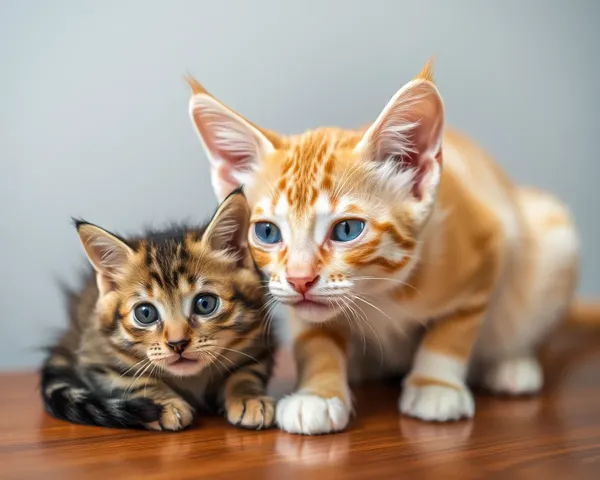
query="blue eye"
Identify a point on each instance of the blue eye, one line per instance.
(267, 232)
(347, 230)
(146, 314)
(205, 304)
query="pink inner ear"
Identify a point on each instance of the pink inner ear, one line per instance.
(422, 169)
(406, 150)
(417, 188)
(225, 173)
(410, 133)
(234, 160)
(105, 285)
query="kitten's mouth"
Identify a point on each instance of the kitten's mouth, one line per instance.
(307, 302)
(312, 309)
(184, 361)
(185, 366)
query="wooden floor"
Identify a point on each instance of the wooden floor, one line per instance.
(555, 436)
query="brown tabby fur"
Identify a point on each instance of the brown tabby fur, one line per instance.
(110, 370)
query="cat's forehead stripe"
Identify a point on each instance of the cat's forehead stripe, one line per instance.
(307, 171)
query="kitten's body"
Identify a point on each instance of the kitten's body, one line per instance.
(110, 370)
(483, 230)
(454, 271)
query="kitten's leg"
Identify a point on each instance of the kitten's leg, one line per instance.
(519, 375)
(245, 397)
(435, 389)
(533, 301)
(322, 402)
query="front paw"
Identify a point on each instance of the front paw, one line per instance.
(517, 376)
(311, 415)
(255, 413)
(176, 415)
(437, 403)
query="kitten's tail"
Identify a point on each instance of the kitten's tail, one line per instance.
(584, 313)
(70, 394)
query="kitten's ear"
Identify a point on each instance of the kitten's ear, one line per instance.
(228, 229)
(407, 135)
(233, 144)
(107, 253)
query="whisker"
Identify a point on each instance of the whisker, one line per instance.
(133, 366)
(388, 280)
(136, 377)
(355, 321)
(239, 352)
(149, 377)
(206, 358)
(213, 355)
(365, 319)
(226, 358)
(270, 318)
(358, 297)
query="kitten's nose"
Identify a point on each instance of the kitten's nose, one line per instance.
(302, 284)
(179, 345)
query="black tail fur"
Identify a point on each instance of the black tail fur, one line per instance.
(69, 395)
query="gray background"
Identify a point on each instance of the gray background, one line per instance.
(93, 116)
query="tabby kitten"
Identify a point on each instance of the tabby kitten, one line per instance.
(400, 248)
(171, 323)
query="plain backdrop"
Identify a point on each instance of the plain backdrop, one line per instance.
(94, 122)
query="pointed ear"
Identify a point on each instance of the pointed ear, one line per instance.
(107, 253)
(228, 229)
(406, 138)
(233, 144)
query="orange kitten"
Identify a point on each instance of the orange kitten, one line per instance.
(390, 263)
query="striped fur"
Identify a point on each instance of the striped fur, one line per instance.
(108, 369)
(456, 273)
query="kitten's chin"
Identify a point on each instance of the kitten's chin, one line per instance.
(185, 367)
(314, 312)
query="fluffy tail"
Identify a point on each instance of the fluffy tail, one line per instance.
(70, 394)
(584, 313)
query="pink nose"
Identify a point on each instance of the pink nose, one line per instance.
(302, 284)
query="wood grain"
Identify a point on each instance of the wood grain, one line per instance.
(554, 436)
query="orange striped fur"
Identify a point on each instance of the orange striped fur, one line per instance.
(449, 244)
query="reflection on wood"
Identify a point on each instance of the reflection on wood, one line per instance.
(556, 435)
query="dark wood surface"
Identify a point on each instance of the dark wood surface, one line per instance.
(554, 436)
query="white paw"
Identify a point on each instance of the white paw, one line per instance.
(435, 403)
(517, 376)
(311, 414)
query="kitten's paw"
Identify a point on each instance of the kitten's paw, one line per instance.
(517, 376)
(311, 415)
(436, 403)
(176, 414)
(254, 413)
